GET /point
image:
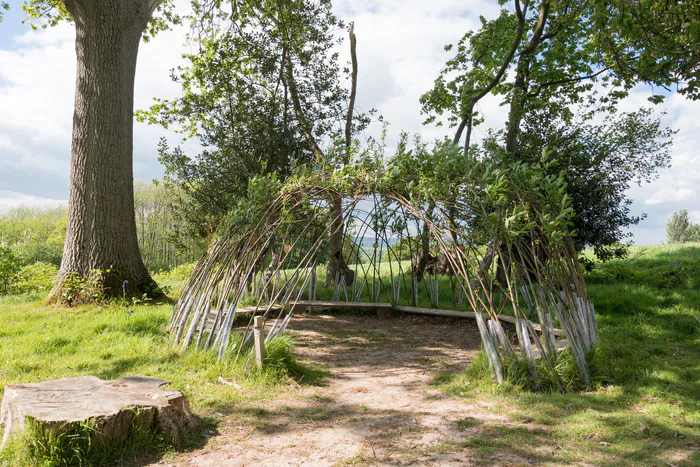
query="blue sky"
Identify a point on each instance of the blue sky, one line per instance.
(400, 48)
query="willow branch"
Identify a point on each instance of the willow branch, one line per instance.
(496, 79)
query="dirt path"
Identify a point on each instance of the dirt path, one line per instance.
(378, 407)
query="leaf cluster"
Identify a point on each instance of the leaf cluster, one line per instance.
(679, 229)
(262, 83)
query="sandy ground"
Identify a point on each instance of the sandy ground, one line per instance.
(377, 408)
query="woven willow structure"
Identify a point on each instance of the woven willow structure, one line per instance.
(507, 252)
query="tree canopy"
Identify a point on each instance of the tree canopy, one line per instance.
(561, 72)
(679, 229)
(261, 93)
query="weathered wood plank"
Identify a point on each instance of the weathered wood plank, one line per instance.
(306, 304)
(437, 312)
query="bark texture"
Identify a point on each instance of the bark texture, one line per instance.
(101, 232)
(115, 406)
(337, 266)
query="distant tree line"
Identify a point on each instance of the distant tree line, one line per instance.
(37, 234)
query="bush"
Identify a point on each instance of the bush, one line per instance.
(516, 372)
(9, 267)
(35, 233)
(179, 273)
(37, 277)
(90, 289)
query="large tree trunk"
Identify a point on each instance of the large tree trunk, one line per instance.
(337, 266)
(101, 231)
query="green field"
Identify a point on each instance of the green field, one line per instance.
(644, 410)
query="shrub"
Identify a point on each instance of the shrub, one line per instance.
(37, 277)
(516, 372)
(9, 267)
(90, 289)
(181, 272)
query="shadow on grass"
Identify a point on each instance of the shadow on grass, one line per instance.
(647, 410)
(197, 438)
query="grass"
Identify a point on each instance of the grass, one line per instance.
(43, 343)
(80, 444)
(645, 408)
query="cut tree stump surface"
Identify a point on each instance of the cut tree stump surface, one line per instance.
(112, 404)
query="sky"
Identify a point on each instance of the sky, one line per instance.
(400, 53)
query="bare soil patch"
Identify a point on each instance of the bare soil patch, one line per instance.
(377, 408)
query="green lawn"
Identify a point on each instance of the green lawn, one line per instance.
(644, 411)
(41, 343)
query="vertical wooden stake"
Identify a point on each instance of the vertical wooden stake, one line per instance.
(415, 290)
(259, 339)
(312, 287)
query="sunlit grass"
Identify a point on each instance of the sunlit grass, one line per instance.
(42, 343)
(645, 409)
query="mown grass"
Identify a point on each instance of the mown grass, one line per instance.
(645, 408)
(42, 343)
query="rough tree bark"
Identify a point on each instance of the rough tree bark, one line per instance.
(101, 231)
(337, 265)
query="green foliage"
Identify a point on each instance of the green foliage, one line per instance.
(260, 87)
(3, 6)
(37, 277)
(403, 250)
(162, 240)
(180, 272)
(679, 229)
(48, 13)
(37, 234)
(91, 289)
(567, 69)
(516, 373)
(600, 161)
(650, 41)
(9, 267)
(45, 13)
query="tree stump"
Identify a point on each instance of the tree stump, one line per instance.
(115, 406)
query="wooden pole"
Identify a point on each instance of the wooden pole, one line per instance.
(415, 290)
(259, 339)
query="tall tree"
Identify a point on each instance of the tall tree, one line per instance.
(262, 94)
(653, 40)
(101, 232)
(557, 69)
(679, 229)
(600, 161)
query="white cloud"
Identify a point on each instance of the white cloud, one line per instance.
(37, 81)
(676, 194)
(11, 199)
(400, 47)
(400, 52)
